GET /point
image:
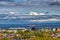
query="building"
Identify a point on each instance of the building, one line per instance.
(58, 32)
(18, 28)
(57, 29)
(54, 29)
(46, 29)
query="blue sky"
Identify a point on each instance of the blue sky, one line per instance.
(51, 6)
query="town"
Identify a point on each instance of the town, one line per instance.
(30, 34)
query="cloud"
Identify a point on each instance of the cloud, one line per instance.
(32, 15)
(55, 2)
(11, 15)
(45, 20)
(12, 12)
(33, 3)
(35, 13)
(26, 3)
(14, 15)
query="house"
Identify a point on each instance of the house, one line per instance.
(57, 29)
(46, 29)
(54, 29)
(53, 36)
(18, 28)
(58, 32)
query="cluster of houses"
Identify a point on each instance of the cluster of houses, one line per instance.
(10, 33)
(53, 35)
(55, 32)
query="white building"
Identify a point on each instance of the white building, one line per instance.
(18, 28)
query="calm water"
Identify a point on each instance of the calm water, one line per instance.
(37, 25)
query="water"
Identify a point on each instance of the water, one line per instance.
(37, 25)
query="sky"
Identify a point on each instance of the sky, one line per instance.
(25, 6)
(31, 7)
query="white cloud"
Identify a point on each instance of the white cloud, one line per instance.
(35, 13)
(42, 14)
(11, 15)
(12, 12)
(45, 20)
